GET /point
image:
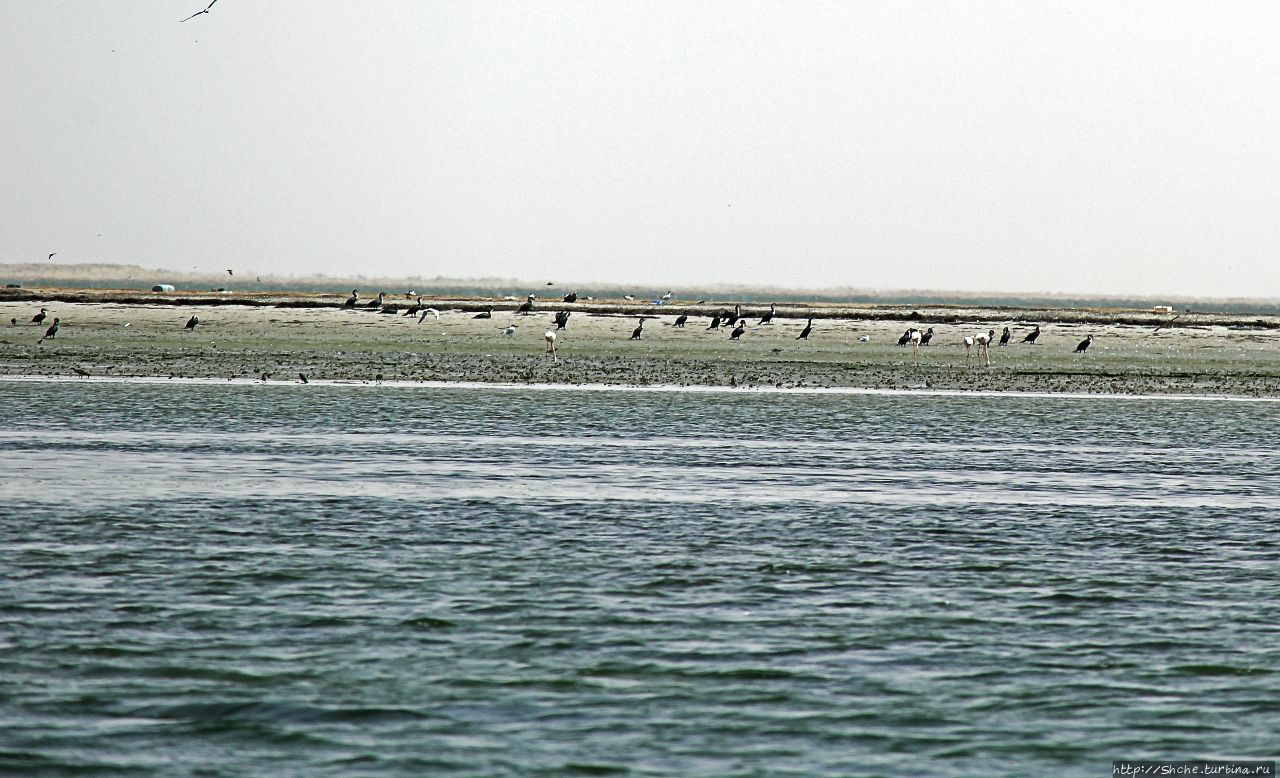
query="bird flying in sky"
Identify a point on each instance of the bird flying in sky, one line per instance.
(197, 13)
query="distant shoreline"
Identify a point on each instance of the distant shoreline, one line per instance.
(852, 347)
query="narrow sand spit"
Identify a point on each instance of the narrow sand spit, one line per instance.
(282, 336)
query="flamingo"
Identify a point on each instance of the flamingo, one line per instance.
(550, 337)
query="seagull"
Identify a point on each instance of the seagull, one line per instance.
(864, 339)
(197, 13)
(54, 254)
(628, 297)
(431, 311)
(510, 330)
(666, 296)
(229, 272)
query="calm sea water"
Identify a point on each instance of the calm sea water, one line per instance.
(320, 580)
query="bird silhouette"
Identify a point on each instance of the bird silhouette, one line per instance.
(1080, 349)
(39, 317)
(804, 333)
(197, 13)
(191, 323)
(54, 254)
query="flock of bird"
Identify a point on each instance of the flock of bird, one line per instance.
(975, 346)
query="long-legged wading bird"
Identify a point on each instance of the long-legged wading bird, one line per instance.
(808, 329)
(550, 337)
(983, 341)
(197, 13)
(916, 337)
(635, 334)
(1031, 336)
(1080, 348)
(968, 349)
(192, 322)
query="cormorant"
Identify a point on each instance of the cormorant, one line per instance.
(804, 333)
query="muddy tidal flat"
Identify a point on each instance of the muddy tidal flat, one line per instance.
(281, 336)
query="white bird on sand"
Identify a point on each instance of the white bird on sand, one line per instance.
(628, 297)
(864, 339)
(550, 337)
(510, 330)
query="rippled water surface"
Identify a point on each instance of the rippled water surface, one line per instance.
(310, 580)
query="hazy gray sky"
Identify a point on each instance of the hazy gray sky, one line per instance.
(1096, 147)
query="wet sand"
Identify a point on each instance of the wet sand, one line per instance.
(280, 336)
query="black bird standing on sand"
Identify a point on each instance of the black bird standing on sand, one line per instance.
(526, 306)
(484, 314)
(715, 322)
(1084, 345)
(303, 378)
(52, 332)
(562, 319)
(681, 319)
(804, 333)
(197, 13)
(191, 323)
(351, 301)
(737, 331)
(768, 317)
(413, 309)
(926, 337)
(635, 334)
(1004, 337)
(906, 336)
(378, 302)
(1031, 336)
(39, 317)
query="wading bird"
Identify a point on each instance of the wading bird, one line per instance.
(550, 337)
(983, 340)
